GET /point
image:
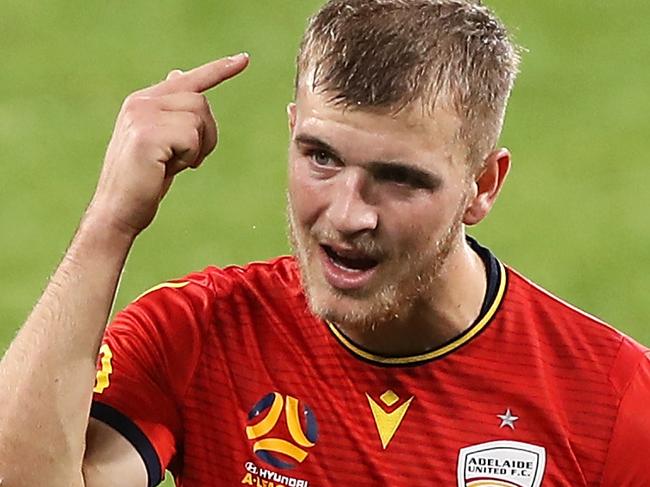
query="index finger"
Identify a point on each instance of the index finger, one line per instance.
(202, 78)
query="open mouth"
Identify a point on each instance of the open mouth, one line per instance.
(350, 261)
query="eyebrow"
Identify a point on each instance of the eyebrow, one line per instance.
(304, 139)
(415, 175)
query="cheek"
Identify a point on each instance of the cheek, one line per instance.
(421, 224)
(307, 200)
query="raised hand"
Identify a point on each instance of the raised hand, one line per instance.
(160, 131)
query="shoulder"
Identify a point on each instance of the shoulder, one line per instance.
(630, 436)
(171, 322)
(591, 370)
(194, 299)
(572, 336)
(524, 291)
(560, 317)
(281, 272)
(220, 282)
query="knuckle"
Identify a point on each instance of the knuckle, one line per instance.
(141, 133)
(174, 73)
(194, 137)
(189, 139)
(132, 102)
(134, 106)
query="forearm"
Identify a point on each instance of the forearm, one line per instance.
(46, 376)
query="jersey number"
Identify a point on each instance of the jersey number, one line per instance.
(103, 376)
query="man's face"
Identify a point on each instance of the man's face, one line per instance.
(376, 203)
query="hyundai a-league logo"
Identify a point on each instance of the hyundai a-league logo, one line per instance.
(282, 444)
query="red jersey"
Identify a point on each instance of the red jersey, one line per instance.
(226, 378)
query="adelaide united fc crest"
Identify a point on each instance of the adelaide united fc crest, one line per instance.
(501, 464)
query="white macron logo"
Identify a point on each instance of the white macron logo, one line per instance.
(501, 464)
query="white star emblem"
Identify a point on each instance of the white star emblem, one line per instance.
(507, 419)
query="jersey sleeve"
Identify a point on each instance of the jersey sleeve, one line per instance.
(146, 360)
(627, 459)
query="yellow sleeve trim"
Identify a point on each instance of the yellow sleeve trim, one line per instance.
(172, 285)
(102, 381)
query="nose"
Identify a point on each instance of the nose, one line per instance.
(349, 211)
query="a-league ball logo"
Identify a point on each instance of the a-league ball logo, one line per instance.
(271, 435)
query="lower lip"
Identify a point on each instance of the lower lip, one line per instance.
(342, 278)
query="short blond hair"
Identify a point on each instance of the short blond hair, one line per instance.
(389, 54)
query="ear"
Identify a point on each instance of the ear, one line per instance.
(291, 116)
(487, 186)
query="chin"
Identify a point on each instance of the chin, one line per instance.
(358, 311)
(389, 297)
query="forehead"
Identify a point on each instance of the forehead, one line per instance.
(413, 133)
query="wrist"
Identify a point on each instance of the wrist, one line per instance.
(105, 219)
(103, 231)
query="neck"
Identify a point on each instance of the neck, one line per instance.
(450, 307)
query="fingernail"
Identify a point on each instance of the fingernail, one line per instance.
(237, 57)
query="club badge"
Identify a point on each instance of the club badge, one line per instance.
(501, 464)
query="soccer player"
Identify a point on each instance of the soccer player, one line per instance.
(390, 350)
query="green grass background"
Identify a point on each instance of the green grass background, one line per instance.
(573, 215)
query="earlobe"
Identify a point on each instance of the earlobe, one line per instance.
(291, 116)
(487, 186)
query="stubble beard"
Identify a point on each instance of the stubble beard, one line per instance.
(393, 300)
